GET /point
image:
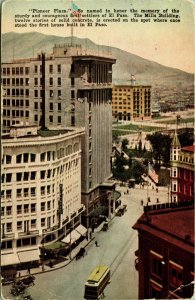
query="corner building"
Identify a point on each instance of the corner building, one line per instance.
(182, 172)
(78, 92)
(40, 190)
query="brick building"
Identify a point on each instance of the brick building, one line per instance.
(131, 102)
(182, 171)
(165, 255)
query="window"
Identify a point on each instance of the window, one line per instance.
(33, 191)
(26, 208)
(33, 207)
(42, 190)
(25, 157)
(59, 120)
(19, 192)
(175, 272)
(43, 156)
(18, 176)
(9, 227)
(26, 191)
(51, 81)
(33, 175)
(19, 209)
(32, 157)
(42, 206)
(36, 93)
(51, 93)
(156, 264)
(19, 225)
(43, 174)
(59, 94)
(59, 81)
(50, 119)
(59, 69)
(35, 69)
(8, 177)
(8, 159)
(51, 106)
(8, 193)
(51, 69)
(59, 107)
(19, 158)
(26, 176)
(42, 222)
(33, 223)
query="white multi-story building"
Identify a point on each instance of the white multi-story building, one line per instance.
(40, 190)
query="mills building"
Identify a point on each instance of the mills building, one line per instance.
(77, 87)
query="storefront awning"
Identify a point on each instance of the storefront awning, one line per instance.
(81, 229)
(30, 255)
(9, 259)
(98, 211)
(71, 237)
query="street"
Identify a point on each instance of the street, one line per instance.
(116, 249)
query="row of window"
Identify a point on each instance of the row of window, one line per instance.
(15, 102)
(26, 176)
(16, 71)
(17, 92)
(16, 81)
(15, 113)
(45, 156)
(128, 90)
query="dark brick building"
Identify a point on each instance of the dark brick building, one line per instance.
(165, 256)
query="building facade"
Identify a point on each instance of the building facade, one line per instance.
(78, 92)
(40, 190)
(182, 171)
(131, 102)
(165, 255)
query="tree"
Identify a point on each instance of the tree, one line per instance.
(161, 147)
(125, 143)
(186, 137)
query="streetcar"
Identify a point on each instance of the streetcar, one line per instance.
(96, 283)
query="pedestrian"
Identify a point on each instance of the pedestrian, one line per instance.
(28, 270)
(43, 268)
(50, 264)
(19, 274)
(142, 202)
(96, 243)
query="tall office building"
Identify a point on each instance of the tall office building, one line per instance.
(78, 92)
(131, 102)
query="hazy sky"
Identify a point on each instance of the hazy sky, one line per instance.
(171, 44)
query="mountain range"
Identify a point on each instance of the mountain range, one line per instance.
(26, 45)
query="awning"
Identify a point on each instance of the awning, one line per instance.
(30, 255)
(9, 259)
(81, 229)
(98, 211)
(71, 237)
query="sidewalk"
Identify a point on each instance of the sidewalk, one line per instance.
(46, 268)
(67, 260)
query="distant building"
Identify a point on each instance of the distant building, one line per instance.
(182, 171)
(165, 255)
(131, 102)
(78, 92)
(40, 190)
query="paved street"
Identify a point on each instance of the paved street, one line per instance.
(117, 247)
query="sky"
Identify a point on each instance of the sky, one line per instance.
(168, 43)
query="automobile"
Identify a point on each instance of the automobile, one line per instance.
(105, 226)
